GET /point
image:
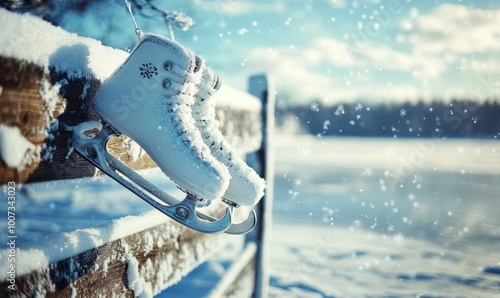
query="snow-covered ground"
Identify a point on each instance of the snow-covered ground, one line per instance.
(352, 218)
(386, 218)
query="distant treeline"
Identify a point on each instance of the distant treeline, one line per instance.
(435, 119)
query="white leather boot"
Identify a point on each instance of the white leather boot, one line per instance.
(149, 98)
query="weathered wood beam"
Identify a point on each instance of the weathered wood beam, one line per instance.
(153, 259)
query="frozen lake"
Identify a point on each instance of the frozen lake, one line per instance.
(352, 217)
(386, 218)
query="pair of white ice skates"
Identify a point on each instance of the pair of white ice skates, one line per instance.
(161, 97)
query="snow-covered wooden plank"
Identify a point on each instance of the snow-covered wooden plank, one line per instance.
(132, 256)
(48, 79)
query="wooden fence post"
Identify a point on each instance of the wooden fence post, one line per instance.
(262, 87)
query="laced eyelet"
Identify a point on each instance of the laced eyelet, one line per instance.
(168, 66)
(166, 84)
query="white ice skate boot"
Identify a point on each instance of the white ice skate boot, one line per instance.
(149, 99)
(246, 187)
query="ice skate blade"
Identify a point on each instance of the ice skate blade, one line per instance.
(243, 227)
(185, 212)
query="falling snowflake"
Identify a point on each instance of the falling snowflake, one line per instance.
(148, 70)
(325, 219)
(339, 110)
(328, 211)
(222, 24)
(326, 124)
(405, 219)
(355, 4)
(243, 31)
(399, 237)
(416, 205)
(383, 187)
(319, 136)
(293, 194)
(196, 38)
(297, 182)
(411, 197)
(402, 112)
(314, 107)
(328, 215)
(390, 228)
(395, 210)
(367, 172)
(352, 122)
(359, 107)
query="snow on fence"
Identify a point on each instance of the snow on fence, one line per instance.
(48, 78)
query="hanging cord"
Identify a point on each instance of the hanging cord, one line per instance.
(171, 17)
(171, 30)
(138, 30)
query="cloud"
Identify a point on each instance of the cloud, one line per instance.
(329, 50)
(487, 66)
(291, 71)
(341, 54)
(454, 29)
(337, 3)
(239, 7)
(296, 72)
(443, 54)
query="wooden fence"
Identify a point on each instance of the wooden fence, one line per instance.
(40, 101)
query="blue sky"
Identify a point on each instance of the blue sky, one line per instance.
(335, 50)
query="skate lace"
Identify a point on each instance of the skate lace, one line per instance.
(179, 85)
(180, 72)
(204, 93)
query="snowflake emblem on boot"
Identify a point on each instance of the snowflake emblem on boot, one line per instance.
(147, 70)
